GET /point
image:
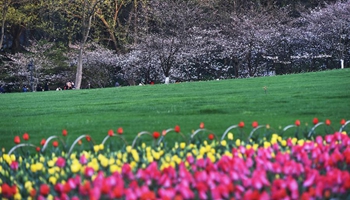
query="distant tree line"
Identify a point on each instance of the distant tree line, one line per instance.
(98, 42)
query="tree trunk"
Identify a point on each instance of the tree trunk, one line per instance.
(2, 32)
(4, 13)
(16, 31)
(79, 74)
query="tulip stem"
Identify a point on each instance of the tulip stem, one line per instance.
(343, 126)
(312, 131)
(138, 135)
(251, 133)
(227, 130)
(20, 145)
(114, 135)
(49, 139)
(167, 131)
(76, 141)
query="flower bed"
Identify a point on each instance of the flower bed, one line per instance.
(272, 167)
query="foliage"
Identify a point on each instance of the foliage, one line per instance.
(186, 40)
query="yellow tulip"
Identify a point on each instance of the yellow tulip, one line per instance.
(211, 157)
(267, 144)
(284, 143)
(135, 155)
(96, 148)
(230, 136)
(52, 180)
(75, 167)
(7, 158)
(182, 145)
(238, 142)
(50, 163)
(199, 156)
(128, 149)
(74, 156)
(156, 155)
(119, 162)
(51, 170)
(104, 162)
(301, 142)
(111, 161)
(133, 164)
(33, 168)
(115, 168)
(17, 196)
(167, 158)
(28, 184)
(149, 159)
(223, 143)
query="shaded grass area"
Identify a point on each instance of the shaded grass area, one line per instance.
(219, 104)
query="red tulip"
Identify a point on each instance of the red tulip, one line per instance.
(342, 122)
(44, 189)
(201, 125)
(55, 143)
(17, 140)
(25, 136)
(156, 135)
(328, 122)
(88, 138)
(148, 195)
(120, 130)
(7, 191)
(241, 124)
(211, 136)
(315, 121)
(110, 133)
(297, 122)
(43, 141)
(255, 124)
(64, 132)
(37, 149)
(33, 193)
(177, 129)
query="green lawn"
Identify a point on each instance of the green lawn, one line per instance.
(219, 104)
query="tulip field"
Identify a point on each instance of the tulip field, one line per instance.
(282, 137)
(202, 166)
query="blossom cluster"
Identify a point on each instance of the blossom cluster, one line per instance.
(278, 168)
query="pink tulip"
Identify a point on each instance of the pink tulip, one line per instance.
(95, 193)
(166, 193)
(83, 159)
(60, 162)
(14, 165)
(310, 178)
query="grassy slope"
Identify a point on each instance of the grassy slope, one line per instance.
(219, 104)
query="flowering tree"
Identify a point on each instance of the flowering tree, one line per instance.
(99, 63)
(328, 30)
(167, 24)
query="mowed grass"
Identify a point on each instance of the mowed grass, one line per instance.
(219, 104)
